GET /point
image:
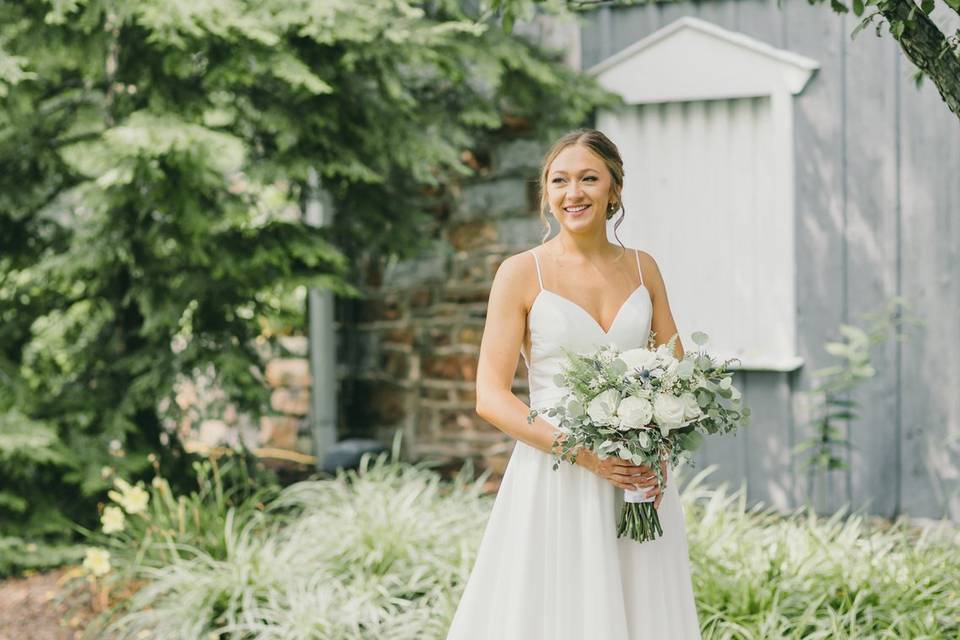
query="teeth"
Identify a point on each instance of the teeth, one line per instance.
(576, 209)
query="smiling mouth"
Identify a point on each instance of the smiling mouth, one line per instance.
(576, 208)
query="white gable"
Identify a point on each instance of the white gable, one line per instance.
(706, 137)
(691, 59)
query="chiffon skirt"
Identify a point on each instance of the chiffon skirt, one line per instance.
(550, 565)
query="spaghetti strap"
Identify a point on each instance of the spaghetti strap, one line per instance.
(636, 252)
(537, 260)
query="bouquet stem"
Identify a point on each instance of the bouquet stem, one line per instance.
(639, 521)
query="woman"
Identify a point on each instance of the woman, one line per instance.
(550, 565)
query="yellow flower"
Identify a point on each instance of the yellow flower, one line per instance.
(97, 561)
(112, 519)
(133, 499)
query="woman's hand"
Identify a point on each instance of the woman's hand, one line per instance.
(620, 473)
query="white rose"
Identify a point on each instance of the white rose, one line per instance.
(691, 409)
(603, 407)
(634, 412)
(638, 359)
(668, 412)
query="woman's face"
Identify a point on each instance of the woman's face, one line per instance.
(579, 186)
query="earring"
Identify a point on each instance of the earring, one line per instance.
(611, 209)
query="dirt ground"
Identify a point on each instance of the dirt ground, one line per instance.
(35, 608)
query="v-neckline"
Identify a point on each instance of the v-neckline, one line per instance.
(596, 323)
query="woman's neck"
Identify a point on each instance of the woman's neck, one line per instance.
(585, 246)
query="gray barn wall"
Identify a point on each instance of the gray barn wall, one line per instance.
(877, 215)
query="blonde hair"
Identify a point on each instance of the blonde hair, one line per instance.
(604, 149)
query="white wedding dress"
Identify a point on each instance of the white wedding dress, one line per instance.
(550, 565)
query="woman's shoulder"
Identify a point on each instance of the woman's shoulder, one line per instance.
(518, 264)
(644, 256)
(648, 265)
(517, 273)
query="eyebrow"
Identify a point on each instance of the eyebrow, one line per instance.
(561, 171)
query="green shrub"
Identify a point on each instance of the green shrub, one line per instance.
(385, 552)
(760, 574)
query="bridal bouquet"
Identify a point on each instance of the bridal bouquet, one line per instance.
(645, 406)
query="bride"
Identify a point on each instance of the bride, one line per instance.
(550, 565)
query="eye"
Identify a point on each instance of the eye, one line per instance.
(591, 178)
(556, 180)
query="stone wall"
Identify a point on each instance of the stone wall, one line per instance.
(412, 345)
(406, 352)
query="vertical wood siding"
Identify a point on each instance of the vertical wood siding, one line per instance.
(877, 184)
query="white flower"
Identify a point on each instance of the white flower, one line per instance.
(666, 354)
(97, 561)
(112, 519)
(685, 369)
(668, 411)
(638, 359)
(691, 409)
(672, 368)
(634, 412)
(604, 406)
(132, 499)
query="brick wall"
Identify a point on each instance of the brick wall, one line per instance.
(412, 345)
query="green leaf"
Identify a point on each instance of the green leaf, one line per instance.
(927, 6)
(838, 6)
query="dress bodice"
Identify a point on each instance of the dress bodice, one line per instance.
(557, 323)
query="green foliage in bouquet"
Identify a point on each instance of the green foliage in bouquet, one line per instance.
(155, 161)
(586, 375)
(645, 406)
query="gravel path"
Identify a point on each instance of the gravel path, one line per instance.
(34, 608)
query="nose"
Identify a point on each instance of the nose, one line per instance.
(573, 189)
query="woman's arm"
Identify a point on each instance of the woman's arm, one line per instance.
(662, 323)
(500, 347)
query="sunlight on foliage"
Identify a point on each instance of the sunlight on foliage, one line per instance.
(385, 552)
